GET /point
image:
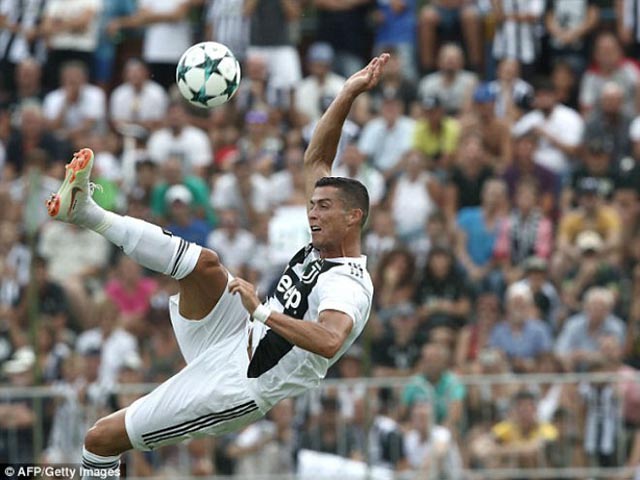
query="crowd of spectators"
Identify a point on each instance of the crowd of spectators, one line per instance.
(501, 151)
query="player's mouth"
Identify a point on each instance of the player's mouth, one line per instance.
(315, 229)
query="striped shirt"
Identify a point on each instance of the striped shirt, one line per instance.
(26, 13)
(631, 17)
(515, 39)
(229, 25)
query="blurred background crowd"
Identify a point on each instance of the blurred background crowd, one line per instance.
(501, 151)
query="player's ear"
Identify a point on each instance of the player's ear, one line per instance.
(355, 217)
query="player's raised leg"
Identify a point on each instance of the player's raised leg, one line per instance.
(202, 277)
(202, 280)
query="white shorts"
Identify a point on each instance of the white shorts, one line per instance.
(210, 396)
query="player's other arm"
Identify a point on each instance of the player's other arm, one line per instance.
(324, 337)
(324, 141)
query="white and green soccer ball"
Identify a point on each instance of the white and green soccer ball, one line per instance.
(208, 74)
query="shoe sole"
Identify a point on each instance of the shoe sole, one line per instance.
(61, 204)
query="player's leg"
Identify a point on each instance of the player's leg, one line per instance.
(103, 445)
(202, 277)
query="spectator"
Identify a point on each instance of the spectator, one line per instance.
(521, 337)
(28, 85)
(610, 123)
(396, 352)
(396, 27)
(473, 338)
(321, 83)
(269, 38)
(478, 229)
(520, 441)
(516, 35)
(115, 343)
(77, 108)
(470, 172)
(438, 385)
(182, 220)
(565, 81)
(511, 91)
(431, 449)
(546, 121)
(495, 133)
(394, 82)
(131, 292)
(443, 296)
(242, 189)
(394, 282)
(70, 30)
(524, 233)
(525, 168)
(447, 18)
(167, 34)
(609, 65)
(388, 137)
(354, 165)
(344, 27)
(256, 90)
(226, 23)
(598, 167)
(570, 26)
(627, 26)
(436, 135)
(450, 83)
(139, 100)
(414, 196)
(19, 37)
(545, 296)
(591, 213)
(233, 244)
(179, 139)
(30, 136)
(577, 345)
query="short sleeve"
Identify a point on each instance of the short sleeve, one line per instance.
(340, 290)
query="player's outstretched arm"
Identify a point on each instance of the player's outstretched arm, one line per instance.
(324, 141)
(324, 338)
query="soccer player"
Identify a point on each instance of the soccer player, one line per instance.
(242, 356)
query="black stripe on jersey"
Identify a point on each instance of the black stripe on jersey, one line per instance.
(189, 423)
(181, 250)
(293, 294)
(106, 466)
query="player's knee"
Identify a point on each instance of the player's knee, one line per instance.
(101, 439)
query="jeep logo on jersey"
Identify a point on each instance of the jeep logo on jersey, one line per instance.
(293, 293)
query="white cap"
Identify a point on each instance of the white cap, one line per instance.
(178, 193)
(634, 130)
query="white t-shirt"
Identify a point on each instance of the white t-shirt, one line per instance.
(386, 146)
(309, 94)
(226, 193)
(370, 177)
(84, 41)
(191, 145)
(564, 123)
(165, 42)
(411, 204)
(127, 105)
(234, 252)
(91, 104)
(309, 285)
(418, 450)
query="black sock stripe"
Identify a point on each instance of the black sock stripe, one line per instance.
(181, 250)
(204, 424)
(195, 420)
(106, 466)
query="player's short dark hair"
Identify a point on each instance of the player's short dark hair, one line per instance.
(354, 194)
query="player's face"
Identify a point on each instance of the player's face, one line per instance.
(328, 218)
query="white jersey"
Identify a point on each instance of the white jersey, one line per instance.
(309, 285)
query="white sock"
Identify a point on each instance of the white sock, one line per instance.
(148, 244)
(96, 466)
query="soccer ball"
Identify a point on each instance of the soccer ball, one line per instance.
(208, 74)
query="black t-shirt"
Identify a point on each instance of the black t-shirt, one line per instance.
(55, 150)
(269, 27)
(569, 14)
(607, 181)
(345, 30)
(454, 287)
(387, 353)
(469, 189)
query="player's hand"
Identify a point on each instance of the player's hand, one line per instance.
(368, 77)
(247, 293)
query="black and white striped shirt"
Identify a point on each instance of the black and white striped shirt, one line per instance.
(229, 25)
(515, 39)
(27, 14)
